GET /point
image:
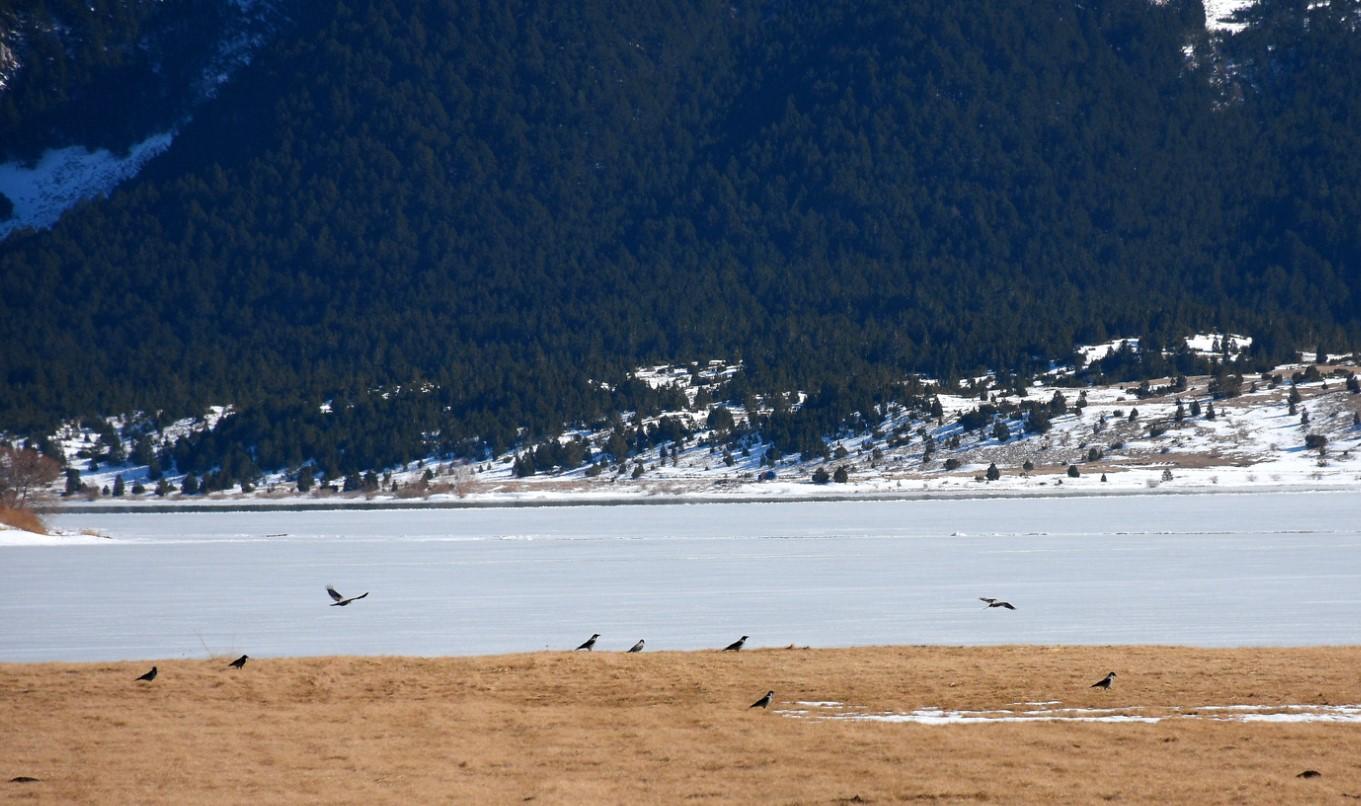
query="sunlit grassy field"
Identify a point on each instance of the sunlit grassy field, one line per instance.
(675, 727)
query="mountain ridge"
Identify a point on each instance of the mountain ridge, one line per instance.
(507, 201)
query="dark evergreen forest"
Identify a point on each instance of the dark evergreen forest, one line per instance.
(506, 199)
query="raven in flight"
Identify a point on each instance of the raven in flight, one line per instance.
(341, 601)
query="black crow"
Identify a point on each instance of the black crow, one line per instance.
(638, 647)
(341, 601)
(589, 644)
(1105, 682)
(239, 662)
(764, 701)
(735, 645)
(149, 676)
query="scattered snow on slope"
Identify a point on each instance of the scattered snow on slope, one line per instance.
(44, 190)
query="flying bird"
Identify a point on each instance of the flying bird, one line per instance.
(764, 701)
(589, 644)
(999, 603)
(149, 676)
(239, 662)
(735, 645)
(1105, 682)
(638, 647)
(987, 599)
(341, 601)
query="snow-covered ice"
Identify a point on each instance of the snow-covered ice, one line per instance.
(1210, 570)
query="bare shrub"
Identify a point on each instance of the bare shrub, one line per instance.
(463, 480)
(24, 472)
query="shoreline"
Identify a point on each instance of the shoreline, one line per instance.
(659, 498)
(531, 656)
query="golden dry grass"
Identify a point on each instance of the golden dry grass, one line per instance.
(672, 727)
(25, 519)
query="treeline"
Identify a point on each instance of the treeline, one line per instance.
(514, 203)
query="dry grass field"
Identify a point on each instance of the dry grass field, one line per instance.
(675, 728)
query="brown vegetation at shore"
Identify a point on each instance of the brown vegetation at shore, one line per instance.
(25, 519)
(673, 727)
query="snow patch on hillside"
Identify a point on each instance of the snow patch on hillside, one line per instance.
(1213, 344)
(62, 177)
(1207, 345)
(1219, 13)
(1092, 353)
(43, 191)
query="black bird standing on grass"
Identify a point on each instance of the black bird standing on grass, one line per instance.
(149, 676)
(638, 647)
(239, 662)
(764, 701)
(735, 645)
(589, 644)
(341, 601)
(1105, 682)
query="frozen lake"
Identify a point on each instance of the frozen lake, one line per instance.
(1209, 570)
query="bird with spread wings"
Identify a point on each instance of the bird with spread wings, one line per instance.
(340, 601)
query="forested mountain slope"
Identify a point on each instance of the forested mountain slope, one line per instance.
(505, 200)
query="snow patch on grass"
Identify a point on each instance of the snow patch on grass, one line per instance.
(931, 715)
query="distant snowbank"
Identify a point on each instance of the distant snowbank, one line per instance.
(1202, 482)
(9, 536)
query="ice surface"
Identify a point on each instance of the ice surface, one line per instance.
(1222, 570)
